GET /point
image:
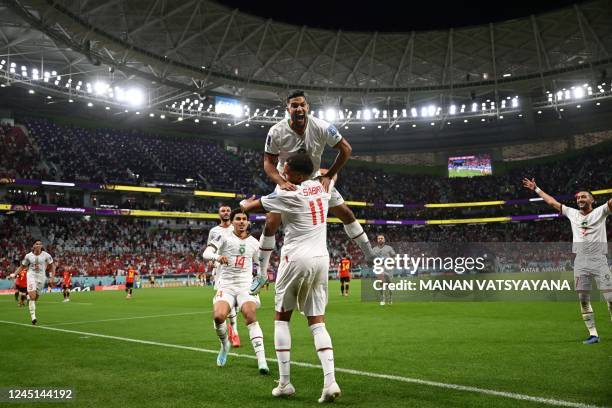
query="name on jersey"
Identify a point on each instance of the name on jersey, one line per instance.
(308, 191)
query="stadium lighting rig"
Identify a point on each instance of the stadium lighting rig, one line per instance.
(70, 86)
(197, 109)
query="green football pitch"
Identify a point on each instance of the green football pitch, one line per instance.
(159, 350)
(464, 173)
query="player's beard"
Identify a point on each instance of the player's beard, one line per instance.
(298, 121)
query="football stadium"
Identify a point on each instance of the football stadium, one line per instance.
(428, 187)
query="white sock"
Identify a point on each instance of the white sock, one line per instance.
(266, 246)
(355, 232)
(282, 344)
(221, 330)
(32, 307)
(256, 336)
(587, 314)
(232, 319)
(323, 345)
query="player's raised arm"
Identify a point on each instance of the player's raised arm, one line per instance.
(531, 185)
(610, 205)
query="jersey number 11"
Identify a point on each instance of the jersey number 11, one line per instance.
(313, 211)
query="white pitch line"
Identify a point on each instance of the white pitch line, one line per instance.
(50, 302)
(125, 318)
(456, 387)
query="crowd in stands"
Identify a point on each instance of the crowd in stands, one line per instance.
(99, 246)
(116, 155)
(128, 155)
(18, 156)
(105, 246)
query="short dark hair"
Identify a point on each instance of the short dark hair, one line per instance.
(295, 94)
(236, 211)
(301, 163)
(584, 190)
(224, 205)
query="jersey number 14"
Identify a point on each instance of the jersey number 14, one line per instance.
(313, 211)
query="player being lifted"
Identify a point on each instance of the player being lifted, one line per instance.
(590, 246)
(344, 270)
(301, 282)
(225, 227)
(36, 263)
(304, 133)
(236, 252)
(66, 285)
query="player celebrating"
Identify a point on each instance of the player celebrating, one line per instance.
(590, 246)
(307, 134)
(344, 270)
(129, 281)
(225, 227)
(66, 284)
(36, 263)
(302, 276)
(381, 250)
(236, 252)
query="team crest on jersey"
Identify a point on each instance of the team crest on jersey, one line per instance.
(242, 249)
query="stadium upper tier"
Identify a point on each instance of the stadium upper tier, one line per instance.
(206, 47)
(65, 153)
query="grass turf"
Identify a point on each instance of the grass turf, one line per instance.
(531, 348)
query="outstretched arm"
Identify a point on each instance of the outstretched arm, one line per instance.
(531, 185)
(251, 205)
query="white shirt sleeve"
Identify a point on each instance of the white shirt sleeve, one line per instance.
(48, 259)
(272, 145)
(332, 135)
(602, 211)
(209, 254)
(569, 212)
(211, 235)
(217, 241)
(278, 201)
(26, 261)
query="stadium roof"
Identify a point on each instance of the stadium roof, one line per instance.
(175, 48)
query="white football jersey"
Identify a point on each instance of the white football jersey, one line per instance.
(37, 264)
(284, 142)
(589, 230)
(215, 231)
(242, 254)
(219, 230)
(304, 215)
